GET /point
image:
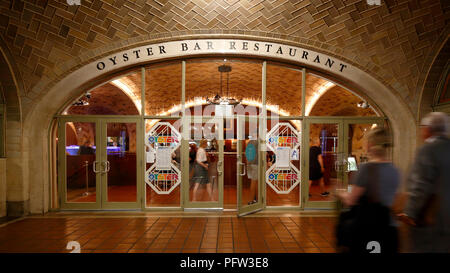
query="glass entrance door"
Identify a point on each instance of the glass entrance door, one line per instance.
(337, 147)
(324, 162)
(355, 146)
(97, 163)
(249, 161)
(204, 188)
(120, 154)
(79, 165)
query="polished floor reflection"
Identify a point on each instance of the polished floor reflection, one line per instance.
(315, 193)
(124, 193)
(128, 194)
(170, 234)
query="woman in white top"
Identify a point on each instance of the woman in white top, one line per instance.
(201, 170)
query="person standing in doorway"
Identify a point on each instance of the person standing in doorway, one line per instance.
(192, 156)
(316, 167)
(427, 211)
(201, 170)
(251, 155)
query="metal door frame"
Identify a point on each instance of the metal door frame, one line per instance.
(260, 204)
(302, 167)
(343, 126)
(101, 156)
(209, 205)
(347, 123)
(305, 175)
(139, 165)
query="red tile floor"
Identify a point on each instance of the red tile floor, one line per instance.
(179, 234)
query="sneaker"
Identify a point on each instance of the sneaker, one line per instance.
(252, 202)
(324, 193)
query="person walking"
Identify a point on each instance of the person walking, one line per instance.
(374, 187)
(427, 211)
(201, 171)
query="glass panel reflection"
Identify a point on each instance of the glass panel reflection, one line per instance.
(284, 189)
(162, 187)
(325, 98)
(357, 147)
(324, 161)
(80, 158)
(163, 89)
(121, 162)
(214, 87)
(120, 96)
(204, 162)
(230, 164)
(288, 82)
(249, 161)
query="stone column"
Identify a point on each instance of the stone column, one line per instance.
(2, 188)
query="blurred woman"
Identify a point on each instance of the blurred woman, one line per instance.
(372, 195)
(192, 156)
(201, 170)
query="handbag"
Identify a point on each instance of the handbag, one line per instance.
(367, 221)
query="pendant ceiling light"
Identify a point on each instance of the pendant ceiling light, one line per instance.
(83, 101)
(221, 99)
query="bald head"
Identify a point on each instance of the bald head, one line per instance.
(435, 124)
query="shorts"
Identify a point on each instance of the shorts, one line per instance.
(315, 174)
(252, 171)
(200, 174)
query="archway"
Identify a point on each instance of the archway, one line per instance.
(70, 86)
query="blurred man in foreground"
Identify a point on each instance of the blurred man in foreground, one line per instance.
(428, 208)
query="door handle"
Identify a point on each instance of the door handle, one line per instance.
(213, 178)
(345, 166)
(108, 167)
(94, 168)
(219, 170)
(243, 167)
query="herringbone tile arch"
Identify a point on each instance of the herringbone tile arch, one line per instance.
(50, 38)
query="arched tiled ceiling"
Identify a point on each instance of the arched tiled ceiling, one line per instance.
(339, 102)
(48, 39)
(163, 88)
(203, 80)
(431, 87)
(106, 100)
